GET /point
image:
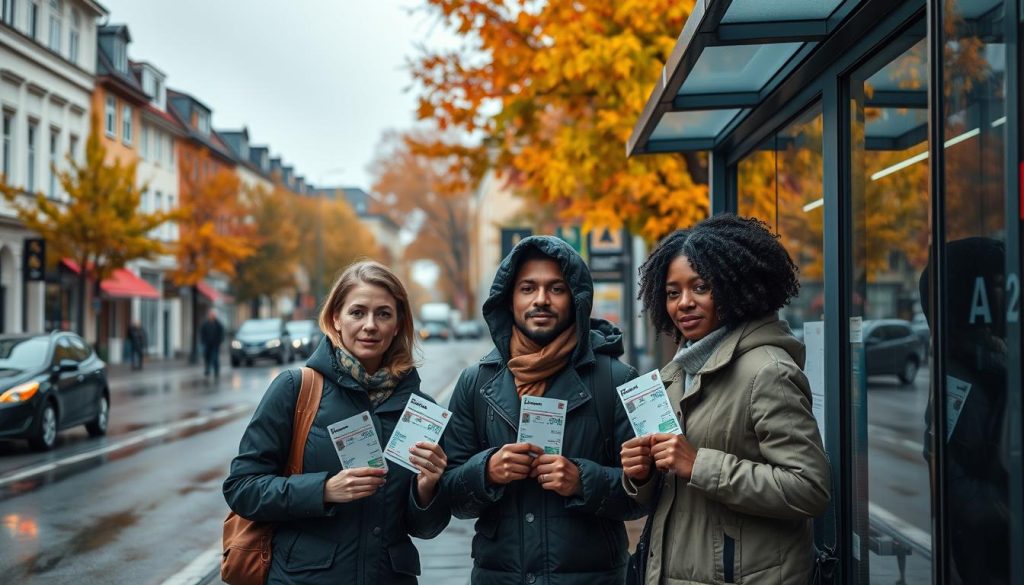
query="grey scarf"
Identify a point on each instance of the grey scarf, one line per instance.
(692, 355)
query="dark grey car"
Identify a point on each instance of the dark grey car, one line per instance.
(892, 347)
(261, 338)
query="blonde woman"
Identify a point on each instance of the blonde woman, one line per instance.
(352, 525)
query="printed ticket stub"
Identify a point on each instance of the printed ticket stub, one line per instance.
(542, 423)
(422, 420)
(356, 441)
(647, 405)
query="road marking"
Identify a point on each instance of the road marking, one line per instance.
(149, 435)
(198, 570)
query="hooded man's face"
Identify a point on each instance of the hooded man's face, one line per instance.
(541, 300)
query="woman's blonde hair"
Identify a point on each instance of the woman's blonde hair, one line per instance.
(398, 358)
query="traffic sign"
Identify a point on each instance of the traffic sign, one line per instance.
(511, 236)
(571, 234)
(34, 259)
(604, 240)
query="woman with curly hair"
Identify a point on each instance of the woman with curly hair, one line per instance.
(732, 498)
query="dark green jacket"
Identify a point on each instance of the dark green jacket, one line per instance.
(526, 534)
(364, 542)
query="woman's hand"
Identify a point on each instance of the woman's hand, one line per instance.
(353, 484)
(431, 460)
(636, 459)
(673, 454)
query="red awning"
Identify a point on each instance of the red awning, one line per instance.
(122, 283)
(208, 292)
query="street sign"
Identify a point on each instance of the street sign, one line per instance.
(34, 260)
(511, 236)
(604, 240)
(571, 234)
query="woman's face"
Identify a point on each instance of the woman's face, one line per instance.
(368, 323)
(688, 300)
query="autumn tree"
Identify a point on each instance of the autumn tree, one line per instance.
(330, 238)
(98, 224)
(414, 183)
(214, 234)
(554, 89)
(271, 267)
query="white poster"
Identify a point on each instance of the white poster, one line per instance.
(814, 369)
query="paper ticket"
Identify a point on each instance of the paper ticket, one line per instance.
(356, 442)
(422, 420)
(542, 423)
(647, 405)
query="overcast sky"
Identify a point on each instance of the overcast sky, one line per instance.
(316, 80)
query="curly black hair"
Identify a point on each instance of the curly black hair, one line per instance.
(749, 271)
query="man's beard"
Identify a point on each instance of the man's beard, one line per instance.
(542, 338)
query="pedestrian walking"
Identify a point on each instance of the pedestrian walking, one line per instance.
(544, 518)
(211, 335)
(137, 344)
(734, 495)
(344, 525)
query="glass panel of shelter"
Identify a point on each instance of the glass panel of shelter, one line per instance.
(890, 369)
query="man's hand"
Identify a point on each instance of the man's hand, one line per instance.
(431, 460)
(353, 484)
(558, 474)
(636, 459)
(511, 463)
(673, 454)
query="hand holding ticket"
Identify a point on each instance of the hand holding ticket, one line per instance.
(542, 423)
(356, 441)
(422, 420)
(647, 405)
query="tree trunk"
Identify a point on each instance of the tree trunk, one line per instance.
(193, 356)
(80, 317)
(254, 308)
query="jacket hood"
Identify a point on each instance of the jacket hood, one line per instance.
(594, 335)
(751, 335)
(322, 360)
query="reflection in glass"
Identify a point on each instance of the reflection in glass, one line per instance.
(977, 476)
(889, 367)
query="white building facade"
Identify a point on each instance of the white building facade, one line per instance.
(47, 74)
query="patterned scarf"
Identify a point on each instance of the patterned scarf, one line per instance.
(532, 364)
(379, 386)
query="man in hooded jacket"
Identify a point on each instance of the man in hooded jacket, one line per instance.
(542, 518)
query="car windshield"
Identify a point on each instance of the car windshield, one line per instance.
(260, 326)
(23, 353)
(300, 327)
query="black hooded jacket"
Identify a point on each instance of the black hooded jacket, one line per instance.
(365, 541)
(526, 534)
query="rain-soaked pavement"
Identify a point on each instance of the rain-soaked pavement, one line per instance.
(143, 502)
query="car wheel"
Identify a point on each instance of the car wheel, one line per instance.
(909, 373)
(248, 362)
(44, 435)
(98, 427)
(234, 363)
(281, 355)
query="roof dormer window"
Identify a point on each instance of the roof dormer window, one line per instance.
(203, 123)
(120, 56)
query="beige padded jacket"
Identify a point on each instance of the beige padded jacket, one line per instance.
(760, 473)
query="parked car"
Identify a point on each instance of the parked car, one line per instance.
(923, 332)
(434, 330)
(305, 336)
(892, 348)
(468, 330)
(50, 382)
(261, 338)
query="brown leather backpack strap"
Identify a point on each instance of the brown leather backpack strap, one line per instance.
(306, 406)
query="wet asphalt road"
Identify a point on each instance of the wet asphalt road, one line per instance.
(143, 502)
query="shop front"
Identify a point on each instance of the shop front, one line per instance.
(880, 139)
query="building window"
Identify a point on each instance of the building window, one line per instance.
(55, 25)
(8, 154)
(52, 171)
(126, 124)
(110, 116)
(73, 147)
(33, 20)
(74, 35)
(158, 144)
(120, 56)
(170, 227)
(158, 95)
(8, 12)
(204, 123)
(144, 143)
(158, 206)
(33, 131)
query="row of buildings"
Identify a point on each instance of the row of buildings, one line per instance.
(60, 66)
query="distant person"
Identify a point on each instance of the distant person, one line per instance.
(344, 525)
(543, 518)
(734, 495)
(137, 344)
(211, 335)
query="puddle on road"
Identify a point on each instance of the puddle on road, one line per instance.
(99, 533)
(210, 479)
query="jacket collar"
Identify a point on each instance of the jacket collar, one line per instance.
(500, 392)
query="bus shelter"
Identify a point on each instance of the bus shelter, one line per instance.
(880, 139)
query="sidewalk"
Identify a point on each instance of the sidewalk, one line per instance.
(155, 364)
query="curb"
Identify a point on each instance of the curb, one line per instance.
(203, 569)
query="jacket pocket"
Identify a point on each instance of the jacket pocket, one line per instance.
(405, 559)
(310, 553)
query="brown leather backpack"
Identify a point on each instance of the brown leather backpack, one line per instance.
(246, 558)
